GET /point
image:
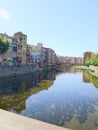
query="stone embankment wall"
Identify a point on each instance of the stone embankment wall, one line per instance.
(11, 71)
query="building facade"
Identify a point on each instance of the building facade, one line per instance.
(21, 40)
(10, 56)
(51, 57)
(21, 53)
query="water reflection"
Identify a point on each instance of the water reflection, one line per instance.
(67, 100)
(67, 68)
(15, 90)
(87, 77)
(68, 103)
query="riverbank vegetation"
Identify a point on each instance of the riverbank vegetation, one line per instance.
(81, 67)
(92, 61)
(89, 61)
(84, 68)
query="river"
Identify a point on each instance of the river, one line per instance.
(68, 98)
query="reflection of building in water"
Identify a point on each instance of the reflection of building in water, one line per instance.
(67, 68)
(85, 77)
(15, 90)
(63, 68)
(73, 70)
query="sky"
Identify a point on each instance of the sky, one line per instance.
(69, 27)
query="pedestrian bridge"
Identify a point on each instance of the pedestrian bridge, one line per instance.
(12, 121)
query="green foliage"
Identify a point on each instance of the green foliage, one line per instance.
(87, 61)
(81, 67)
(93, 60)
(4, 45)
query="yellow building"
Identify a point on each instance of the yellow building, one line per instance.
(21, 39)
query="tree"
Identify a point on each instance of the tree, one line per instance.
(93, 60)
(87, 61)
(4, 45)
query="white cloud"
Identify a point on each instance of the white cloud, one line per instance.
(4, 14)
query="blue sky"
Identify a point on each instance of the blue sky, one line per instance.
(69, 27)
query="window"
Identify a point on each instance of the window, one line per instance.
(14, 48)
